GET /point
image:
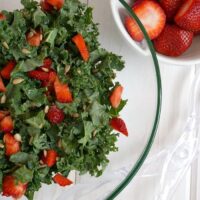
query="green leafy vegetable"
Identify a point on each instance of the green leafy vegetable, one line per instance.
(84, 139)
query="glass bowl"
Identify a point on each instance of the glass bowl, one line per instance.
(142, 87)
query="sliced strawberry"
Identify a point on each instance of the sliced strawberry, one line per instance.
(6, 124)
(7, 70)
(62, 180)
(118, 124)
(50, 157)
(62, 91)
(12, 146)
(81, 45)
(13, 188)
(171, 7)
(39, 75)
(173, 41)
(47, 63)
(152, 17)
(57, 4)
(55, 115)
(188, 16)
(46, 6)
(52, 76)
(2, 16)
(3, 114)
(2, 86)
(115, 97)
(34, 38)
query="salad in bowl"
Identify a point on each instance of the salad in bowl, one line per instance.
(59, 103)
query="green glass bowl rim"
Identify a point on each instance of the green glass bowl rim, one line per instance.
(149, 144)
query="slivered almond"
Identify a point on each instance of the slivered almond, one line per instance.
(18, 137)
(45, 69)
(46, 109)
(67, 68)
(17, 81)
(25, 51)
(3, 99)
(5, 44)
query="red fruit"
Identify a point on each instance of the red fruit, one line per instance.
(13, 188)
(55, 115)
(173, 41)
(57, 4)
(46, 6)
(47, 63)
(118, 124)
(188, 16)
(50, 158)
(12, 146)
(2, 17)
(171, 7)
(152, 17)
(6, 124)
(62, 180)
(7, 70)
(81, 45)
(52, 76)
(2, 86)
(62, 91)
(115, 97)
(34, 38)
(39, 75)
(3, 114)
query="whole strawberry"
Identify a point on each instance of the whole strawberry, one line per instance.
(171, 7)
(173, 41)
(188, 16)
(55, 115)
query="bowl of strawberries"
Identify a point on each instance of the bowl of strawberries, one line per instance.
(172, 25)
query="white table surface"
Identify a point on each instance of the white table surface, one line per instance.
(176, 82)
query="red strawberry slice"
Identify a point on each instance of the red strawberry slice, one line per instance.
(118, 124)
(52, 76)
(7, 70)
(34, 38)
(62, 180)
(2, 16)
(173, 41)
(47, 63)
(152, 17)
(81, 45)
(3, 114)
(13, 188)
(2, 86)
(6, 124)
(57, 4)
(188, 16)
(46, 6)
(39, 75)
(171, 7)
(115, 97)
(62, 91)
(55, 115)
(50, 158)
(12, 146)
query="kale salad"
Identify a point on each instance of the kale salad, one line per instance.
(59, 103)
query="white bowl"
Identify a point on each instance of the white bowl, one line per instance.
(190, 57)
